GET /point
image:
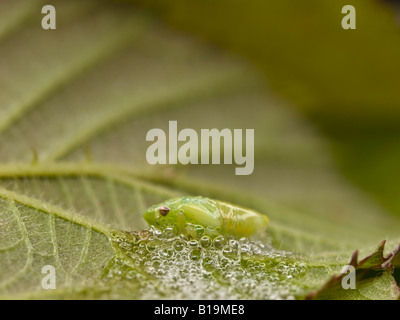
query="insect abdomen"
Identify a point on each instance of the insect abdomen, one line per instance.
(241, 222)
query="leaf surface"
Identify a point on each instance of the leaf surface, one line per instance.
(75, 106)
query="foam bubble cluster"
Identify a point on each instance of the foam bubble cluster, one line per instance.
(169, 265)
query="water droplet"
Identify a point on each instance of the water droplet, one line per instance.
(199, 230)
(125, 245)
(219, 242)
(195, 255)
(179, 245)
(157, 233)
(166, 252)
(156, 264)
(169, 233)
(211, 231)
(118, 239)
(229, 252)
(234, 244)
(209, 264)
(205, 241)
(151, 246)
(193, 243)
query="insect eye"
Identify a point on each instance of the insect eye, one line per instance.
(163, 211)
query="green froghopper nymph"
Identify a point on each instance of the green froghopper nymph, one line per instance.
(223, 216)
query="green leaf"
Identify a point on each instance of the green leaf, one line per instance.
(373, 276)
(75, 107)
(359, 113)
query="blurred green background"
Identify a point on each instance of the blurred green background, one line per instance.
(345, 81)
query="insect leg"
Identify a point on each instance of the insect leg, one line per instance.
(181, 221)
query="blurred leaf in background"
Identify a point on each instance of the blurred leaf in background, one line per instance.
(345, 81)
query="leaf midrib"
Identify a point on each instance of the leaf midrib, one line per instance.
(119, 174)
